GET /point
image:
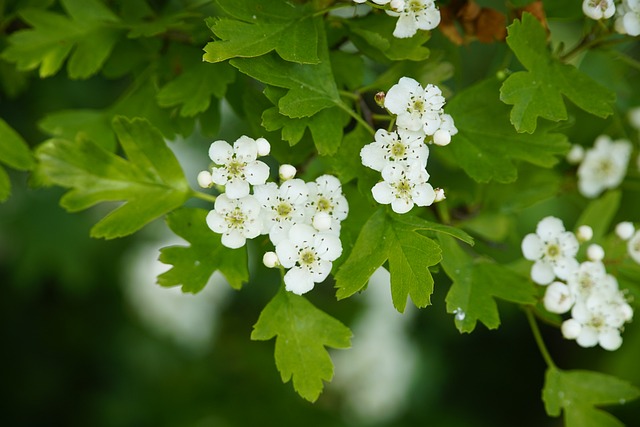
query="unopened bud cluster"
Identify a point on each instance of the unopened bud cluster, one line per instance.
(302, 219)
(401, 155)
(597, 307)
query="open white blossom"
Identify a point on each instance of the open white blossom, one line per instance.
(553, 249)
(414, 15)
(236, 219)
(390, 147)
(326, 198)
(628, 17)
(417, 108)
(309, 256)
(282, 206)
(604, 166)
(238, 166)
(403, 187)
(599, 9)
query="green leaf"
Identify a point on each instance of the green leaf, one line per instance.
(87, 36)
(538, 91)
(600, 213)
(71, 125)
(312, 88)
(194, 88)
(374, 33)
(476, 284)
(193, 265)
(410, 254)
(150, 181)
(578, 393)
(14, 151)
(302, 332)
(258, 30)
(326, 126)
(5, 185)
(487, 146)
(347, 164)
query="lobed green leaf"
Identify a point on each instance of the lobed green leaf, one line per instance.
(302, 332)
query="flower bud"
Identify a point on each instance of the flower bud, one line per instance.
(584, 233)
(287, 172)
(595, 252)
(625, 230)
(441, 137)
(571, 328)
(576, 154)
(379, 98)
(270, 260)
(204, 179)
(439, 195)
(322, 221)
(264, 148)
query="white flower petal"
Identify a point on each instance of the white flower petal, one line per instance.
(233, 239)
(220, 152)
(236, 188)
(298, 280)
(382, 193)
(542, 272)
(532, 247)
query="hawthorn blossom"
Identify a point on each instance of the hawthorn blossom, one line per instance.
(390, 147)
(625, 230)
(282, 206)
(599, 9)
(414, 15)
(447, 129)
(558, 298)
(604, 166)
(238, 166)
(326, 203)
(628, 18)
(417, 108)
(236, 219)
(633, 247)
(403, 187)
(309, 256)
(553, 249)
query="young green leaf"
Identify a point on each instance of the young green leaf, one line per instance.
(193, 265)
(302, 332)
(87, 36)
(80, 124)
(579, 393)
(476, 284)
(150, 181)
(410, 254)
(256, 31)
(538, 91)
(15, 153)
(487, 146)
(312, 87)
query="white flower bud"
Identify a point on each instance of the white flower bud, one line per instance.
(322, 221)
(558, 298)
(287, 172)
(439, 195)
(441, 137)
(264, 148)
(270, 260)
(397, 5)
(204, 179)
(625, 230)
(595, 252)
(576, 154)
(571, 329)
(634, 117)
(584, 233)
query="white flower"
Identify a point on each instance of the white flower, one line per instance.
(600, 319)
(282, 207)
(553, 249)
(588, 277)
(325, 196)
(628, 19)
(558, 298)
(404, 186)
(633, 247)
(414, 15)
(389, 147)
(625, 230)
(447, 129)
(417, 108)
(604, 166)
(236, 219)
(598, 9)
(308, 255)
(238, 166)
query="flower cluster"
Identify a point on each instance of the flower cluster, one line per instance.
(627, 14)
(598, 308)
(302, 219)
(401, 155)
(601, 167)
(413, 15)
